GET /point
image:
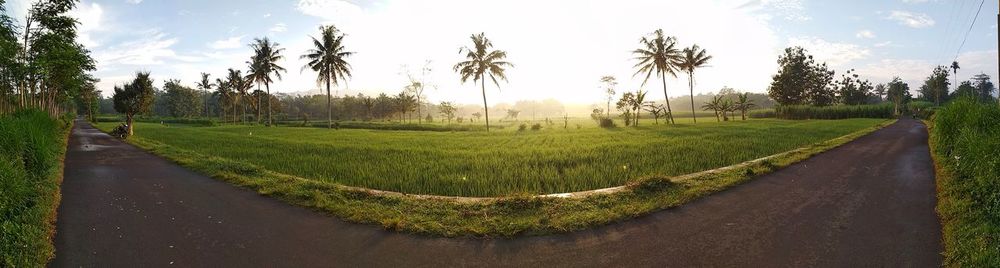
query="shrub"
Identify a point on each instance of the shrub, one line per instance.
(966, 139)
(522, 127)
(607, 123)
(30, 147)
(536, 127)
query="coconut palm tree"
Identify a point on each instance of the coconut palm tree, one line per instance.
(743, 104)
(954, 70)
(266, 57)
(483, 62)
(205, 85)
(659, 55)
(328, 58)
(239, 86)
(637, 102)
(693, 58)
(253, 78)
(224, 95)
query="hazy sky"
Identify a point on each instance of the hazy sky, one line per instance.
(560, 48)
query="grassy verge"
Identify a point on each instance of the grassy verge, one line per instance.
(965, 144)
(32, 147)
(507, 216)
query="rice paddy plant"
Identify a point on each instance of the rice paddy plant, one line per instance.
(551, 160)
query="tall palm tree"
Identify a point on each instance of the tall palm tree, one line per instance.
(482, 62)
(251, 78)
(693, 58)
(328, 58)
(225, 97)
(954, 70)
(239, 86)
(266, 57)
(658, 54)
(205, 85)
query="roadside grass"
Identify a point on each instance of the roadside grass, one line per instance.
(513, 214)
(479, 164)
(965, 143)
(32, 147)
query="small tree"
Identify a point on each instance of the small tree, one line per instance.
(512, 114)
(743, 104)
(898, 92)
(657, 110)
(477, 115)
(134, 98)
(182, 101)
(715, 105)
(609, 89)
(624, 105)
(448, 110)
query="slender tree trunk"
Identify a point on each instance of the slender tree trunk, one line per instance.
(128, 121)
(691, 86)
(329, 106)
(268, 97)
(486, 108)
(670, 112)
(609, 108)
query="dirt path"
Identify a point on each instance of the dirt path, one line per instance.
(867, 203)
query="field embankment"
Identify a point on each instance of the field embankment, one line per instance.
(965, 140)
(32, 147)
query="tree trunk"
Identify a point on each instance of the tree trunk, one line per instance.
(691, 86)
(670, 112)
(128, 121)
(485, 106)
(268, 97)
(329, 106)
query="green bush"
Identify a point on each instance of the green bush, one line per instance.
(966, 138)
(31, 146)
(798, 112)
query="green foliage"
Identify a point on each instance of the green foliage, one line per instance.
(135, 97)
(967, 149)
(471, 163)
(801, 80)
(328, 58)
(799, 112)
(935, 87)
(658, 54)
(31, 149)
(183, 102)
(852, 91)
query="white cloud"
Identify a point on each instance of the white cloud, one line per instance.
(910, 19)
(793, 10)
(915, 1)
(865, 34)
(885, 44)
(330, 10)
(90, 17)
(228, 43)
(151, 48)
(278, 28)
(834, 54)
(913, 71)
(134, 2)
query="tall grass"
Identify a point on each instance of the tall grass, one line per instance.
(552, 160)
(31, 149)
(966, 139)
(799, 112)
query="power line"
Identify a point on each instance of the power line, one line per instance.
(970, 29)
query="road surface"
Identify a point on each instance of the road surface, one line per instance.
(869, 203)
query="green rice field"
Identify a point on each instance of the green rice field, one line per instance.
(499, 163)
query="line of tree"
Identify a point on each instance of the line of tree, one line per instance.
(42, 64)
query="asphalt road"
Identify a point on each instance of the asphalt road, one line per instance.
(869, 203)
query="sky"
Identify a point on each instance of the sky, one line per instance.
(560, 48)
